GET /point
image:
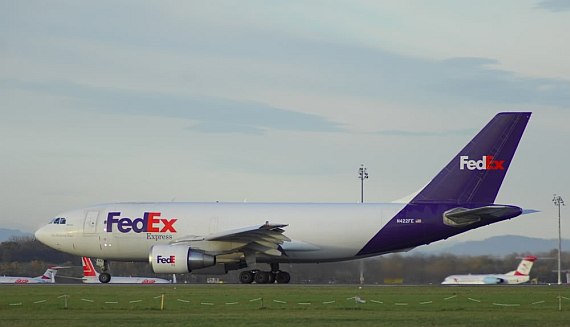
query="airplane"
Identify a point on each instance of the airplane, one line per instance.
(47, 277)
(519, 276)
(90, 275)
(177, 237)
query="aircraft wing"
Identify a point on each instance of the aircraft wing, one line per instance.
(461, 217)
(265, 238)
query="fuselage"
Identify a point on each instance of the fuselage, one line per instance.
(489, 279)
(23, 280)
(318, 232)
(91, 276)
(120, 232)
(128, 280)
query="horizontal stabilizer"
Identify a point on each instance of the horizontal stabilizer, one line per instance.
(461, 217)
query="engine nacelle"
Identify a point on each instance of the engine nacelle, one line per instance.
(177, 259)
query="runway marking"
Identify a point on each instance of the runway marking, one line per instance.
(506, 304)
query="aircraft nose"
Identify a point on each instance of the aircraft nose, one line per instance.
(41, 235)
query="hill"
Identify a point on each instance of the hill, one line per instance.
(499, 246)
(7, 234)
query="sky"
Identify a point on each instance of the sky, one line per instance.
(275, 101)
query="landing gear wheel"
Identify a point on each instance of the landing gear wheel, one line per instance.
(282, 277)
(105, 277)
(262, 277)
(246, 277)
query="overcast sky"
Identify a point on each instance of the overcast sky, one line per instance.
(275, 101)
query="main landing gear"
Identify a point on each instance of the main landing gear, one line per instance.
(105, 276)
(265, 277)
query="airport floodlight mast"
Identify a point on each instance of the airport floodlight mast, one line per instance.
(362, 175)
(559, 202)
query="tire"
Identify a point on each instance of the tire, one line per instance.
(282, 277)
(246, 277)
(105, 278)
(262, 277)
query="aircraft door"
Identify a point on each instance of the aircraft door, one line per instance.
(90, 225)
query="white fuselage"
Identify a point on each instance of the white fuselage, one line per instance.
(318, 232)
(23, 280)
(489, 279)
(127, 280)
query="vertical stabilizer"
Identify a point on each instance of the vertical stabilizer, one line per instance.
(475, 174)
(525, 266)
(49, 275)
(88, 268)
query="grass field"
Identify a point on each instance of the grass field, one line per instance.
(282, 305)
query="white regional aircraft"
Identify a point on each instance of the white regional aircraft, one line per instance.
(185, 237)
(90, 275)
(519, 276)
(47, 277)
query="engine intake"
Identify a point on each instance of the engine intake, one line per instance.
(178, 259)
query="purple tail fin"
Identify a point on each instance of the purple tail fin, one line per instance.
(477, 171)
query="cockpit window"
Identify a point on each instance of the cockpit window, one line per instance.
(58, 221)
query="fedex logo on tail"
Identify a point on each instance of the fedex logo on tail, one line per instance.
(486, 163)
(150, 222)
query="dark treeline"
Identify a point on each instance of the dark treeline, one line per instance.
(28, 257)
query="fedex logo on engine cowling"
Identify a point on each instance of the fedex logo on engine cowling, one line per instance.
(486, 163)
(168, 260)
(150, 222)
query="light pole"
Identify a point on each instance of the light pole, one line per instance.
(362, 175)
(559, 202)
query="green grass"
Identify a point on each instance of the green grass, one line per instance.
(282, 305)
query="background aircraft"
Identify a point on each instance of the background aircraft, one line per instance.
(47, 277)
(90, 275)
(183, 237)
(521, 275)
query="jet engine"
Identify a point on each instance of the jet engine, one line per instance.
(178, 259)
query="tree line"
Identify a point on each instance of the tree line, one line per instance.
(25, 256)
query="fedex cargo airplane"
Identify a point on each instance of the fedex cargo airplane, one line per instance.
(47, 277)
(519, 276)
(187, 237)
(90, 275)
